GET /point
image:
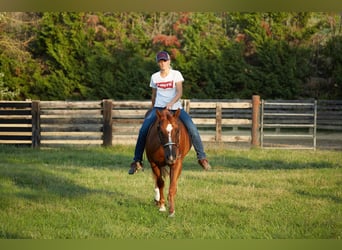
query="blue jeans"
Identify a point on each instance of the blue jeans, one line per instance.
(185, 118)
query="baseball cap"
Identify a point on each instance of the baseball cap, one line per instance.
(162, 55)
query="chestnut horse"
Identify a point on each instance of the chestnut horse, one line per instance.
(167, 144)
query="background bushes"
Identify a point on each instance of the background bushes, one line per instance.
(90, 56)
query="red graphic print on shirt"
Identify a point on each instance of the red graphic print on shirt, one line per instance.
(165, 85)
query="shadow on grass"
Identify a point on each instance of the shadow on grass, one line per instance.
(8, 235)
(31, 178)
(30, 168)
(238, 162)
(92, 157)
(120, 158)
(36, 173)
(35, 185)
(312, 195)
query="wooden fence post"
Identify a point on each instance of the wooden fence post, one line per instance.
(218, 136)
(186, 105)
(255, 120)
(35, 112)
(107, 123)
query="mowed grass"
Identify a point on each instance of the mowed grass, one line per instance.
(86, 193)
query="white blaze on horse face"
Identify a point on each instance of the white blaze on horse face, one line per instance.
(169, 128)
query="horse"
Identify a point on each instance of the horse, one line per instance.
(168, 142)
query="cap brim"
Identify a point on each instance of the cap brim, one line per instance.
(163, 58)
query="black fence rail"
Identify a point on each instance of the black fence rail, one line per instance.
(329, 115)
(16, 122)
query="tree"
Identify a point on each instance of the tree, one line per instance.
(95, 55)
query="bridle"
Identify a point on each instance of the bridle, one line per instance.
(170, 143)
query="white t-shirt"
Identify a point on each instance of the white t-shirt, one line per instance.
(166, 88)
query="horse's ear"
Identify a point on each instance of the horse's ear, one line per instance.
(177, 113)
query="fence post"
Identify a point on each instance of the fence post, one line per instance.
(315, 126)
(35, 112)
(218, 136)
(255, 120)
(186, 105)
(107, 122)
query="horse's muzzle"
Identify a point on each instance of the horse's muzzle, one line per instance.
(170, 160)
(170, 153)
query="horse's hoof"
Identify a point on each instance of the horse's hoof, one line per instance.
(162, 208)
(171, 215)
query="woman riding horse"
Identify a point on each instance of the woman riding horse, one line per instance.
(167, 89)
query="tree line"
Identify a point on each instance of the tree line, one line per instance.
(227, 55)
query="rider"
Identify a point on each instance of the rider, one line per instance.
(167, 90)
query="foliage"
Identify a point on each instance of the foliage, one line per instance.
(97, 55)
(5, 93)
(279, 70)
(332, 67)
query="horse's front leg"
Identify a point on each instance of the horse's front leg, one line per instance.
(158, 188)
(175, 172)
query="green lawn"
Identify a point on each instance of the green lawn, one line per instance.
(86, 193)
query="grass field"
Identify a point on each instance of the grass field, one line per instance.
(86, 193)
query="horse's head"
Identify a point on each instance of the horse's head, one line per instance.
(168, 131)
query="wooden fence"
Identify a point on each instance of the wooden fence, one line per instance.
(110, 122)
(107, 122)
